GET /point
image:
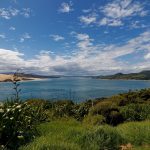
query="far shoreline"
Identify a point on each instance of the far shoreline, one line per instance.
(123, 79)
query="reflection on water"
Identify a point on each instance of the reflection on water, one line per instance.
(76, 89)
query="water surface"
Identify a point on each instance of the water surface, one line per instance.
(75, 88)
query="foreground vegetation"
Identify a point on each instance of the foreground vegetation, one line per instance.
(72, 135)
(117, 122)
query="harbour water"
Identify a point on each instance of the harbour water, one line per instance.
(74, 88)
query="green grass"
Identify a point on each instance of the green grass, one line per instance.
(137, 133)
(58, 135)
(71, 135)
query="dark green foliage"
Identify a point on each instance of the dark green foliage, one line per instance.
(131, 106)
(17, 123)
(114, 118)
(63, 108)
(135, 112)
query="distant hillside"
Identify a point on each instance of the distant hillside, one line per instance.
(37, 76)
(143, 75)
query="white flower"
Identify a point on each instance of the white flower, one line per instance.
(8, 109)
(19, 106)
(11, 118)
(1, 110)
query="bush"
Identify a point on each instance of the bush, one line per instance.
(17, 123)
(135, 112)
(63, 108)
(109, 110)
(114, 118)
(103, 108)
(81, 111)
(94, 120)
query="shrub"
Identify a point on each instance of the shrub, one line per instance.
(103, 108)
(81, 111)
(114, 118)
(135, 112)
(109, 110)
(94, 120)
(63, 108)
(17, 123)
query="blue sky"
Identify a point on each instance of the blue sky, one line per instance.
(74, 37)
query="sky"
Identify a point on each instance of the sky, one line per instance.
(78, 37)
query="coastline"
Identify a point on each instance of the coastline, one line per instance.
(123, 79)
(9, 78)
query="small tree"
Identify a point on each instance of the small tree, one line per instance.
(16, 84)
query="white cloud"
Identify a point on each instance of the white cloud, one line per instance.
(116, 11)
(88, 19)
(2, 36)
(26, 12)
(8, 13)
(12, 28)
(87, 58)
(147, 56)
(25, 36)
(66, 7)
(110, 22)
(56, 37)
(84, 41)
(137, 25)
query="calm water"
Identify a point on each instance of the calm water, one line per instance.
(77, 89)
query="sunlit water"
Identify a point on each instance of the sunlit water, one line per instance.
(77, 89)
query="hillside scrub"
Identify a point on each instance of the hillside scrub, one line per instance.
(99, 121)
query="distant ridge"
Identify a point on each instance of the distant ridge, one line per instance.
(143, 75)
(37, 76)
(27, 75)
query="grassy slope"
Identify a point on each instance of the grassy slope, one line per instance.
(57, 135)
(72, 135)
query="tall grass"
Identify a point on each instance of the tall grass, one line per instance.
(57, 135)
(137, 133)
(72, 135)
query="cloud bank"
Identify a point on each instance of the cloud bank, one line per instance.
(88, 58)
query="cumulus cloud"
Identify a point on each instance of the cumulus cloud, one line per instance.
(116, 11)
(56, 37)
(8, 13)
(66, 7)
(88, 19)
(113, 13)
(88, 58)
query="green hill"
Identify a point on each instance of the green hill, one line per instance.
(143, 75)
